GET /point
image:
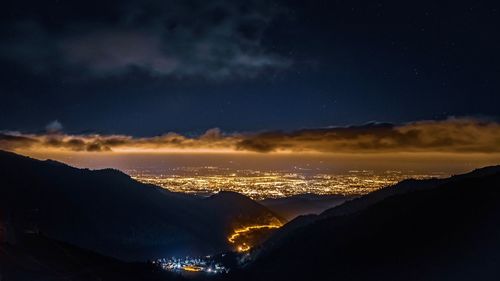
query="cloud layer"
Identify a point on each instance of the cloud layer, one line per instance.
(213, 39)
(463, 135)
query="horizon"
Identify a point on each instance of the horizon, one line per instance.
(265, 176)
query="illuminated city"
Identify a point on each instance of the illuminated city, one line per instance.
(207, 264)
(274, 184)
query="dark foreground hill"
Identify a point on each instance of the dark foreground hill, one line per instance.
(108, 212)
(425, 230)
(35, 257)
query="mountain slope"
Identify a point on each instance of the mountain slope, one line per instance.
(107, 211)
(35, 257)
(302, 204)
(447, 230)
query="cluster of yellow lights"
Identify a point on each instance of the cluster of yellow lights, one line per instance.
(243, 247)
(261, 184)
(240, 231)
(192, 268)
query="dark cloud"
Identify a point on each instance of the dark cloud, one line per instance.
(214, 39)
(96, 147)
(453, 135)
(12, 141)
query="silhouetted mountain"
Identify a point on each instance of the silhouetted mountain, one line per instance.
(108, 212)
(302, 204)
(359, 203)
(416, 230)
(230, 203)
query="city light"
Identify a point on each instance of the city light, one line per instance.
(192, 268)
(207, 264)
(260, 185)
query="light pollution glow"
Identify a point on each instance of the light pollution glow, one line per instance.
(462, 135)
(275, 175)
(275, 184)
(307, 161)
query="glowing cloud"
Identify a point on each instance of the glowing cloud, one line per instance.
(455, 135)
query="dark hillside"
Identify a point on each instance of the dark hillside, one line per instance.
(445, 231)
(108, 212)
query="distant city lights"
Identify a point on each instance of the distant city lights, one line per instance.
(260, 185)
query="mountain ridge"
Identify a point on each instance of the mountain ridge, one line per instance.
(440, 230)
(108, 212)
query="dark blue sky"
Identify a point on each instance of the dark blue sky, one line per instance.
(148, 67)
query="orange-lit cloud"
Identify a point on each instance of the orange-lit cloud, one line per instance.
(456, 135)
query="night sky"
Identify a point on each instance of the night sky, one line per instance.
(143, 68)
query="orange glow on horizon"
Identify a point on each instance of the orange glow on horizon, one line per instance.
(44, 152)
(454, 135)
